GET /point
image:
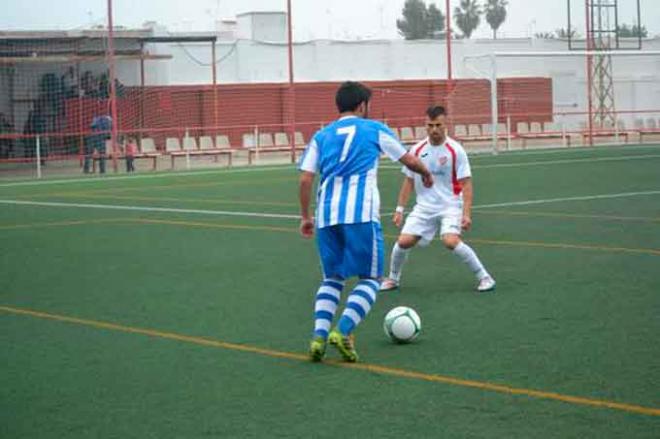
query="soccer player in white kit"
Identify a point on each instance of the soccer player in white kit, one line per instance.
(446, 206)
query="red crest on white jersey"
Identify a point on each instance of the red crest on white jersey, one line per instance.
(443, 161)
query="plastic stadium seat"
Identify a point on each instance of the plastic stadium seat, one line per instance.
(650, 123)
(551, 127)
(460, 131)
(147, 145)
(172, 144)
(300, 140)
(205, 143)
(639, 122)
(189, 144)
(248, 140)
(487, 129)
(281, 139)
(535, 127)
(222, 142)
(474, 130)
(266, 140)
(523, 128)
(420, 133)
(407, 134)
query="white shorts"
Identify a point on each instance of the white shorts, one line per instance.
(426, 226)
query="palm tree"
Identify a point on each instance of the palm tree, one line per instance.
(468, 16)
(564, 34)
(496, 14)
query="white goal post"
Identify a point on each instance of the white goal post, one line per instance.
(554, 64)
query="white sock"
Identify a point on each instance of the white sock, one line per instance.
(467, 255)
(325, 305)
(398, 258)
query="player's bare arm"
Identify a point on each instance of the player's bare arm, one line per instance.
(466, 185)
(305, 192)
(407, 187)
(413, 163)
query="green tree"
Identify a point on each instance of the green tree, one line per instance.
(413, 25)
(496, 14)
(468, 16)
(563, 33)
(633, 31)
(419, 22)
(545, 35)
(435, 22)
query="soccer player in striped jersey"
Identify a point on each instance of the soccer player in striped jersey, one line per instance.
(446, 206)
(345, 154)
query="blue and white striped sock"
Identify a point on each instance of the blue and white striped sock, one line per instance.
(358, 305)
(327, 299)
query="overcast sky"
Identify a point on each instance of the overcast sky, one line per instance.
(339, 19)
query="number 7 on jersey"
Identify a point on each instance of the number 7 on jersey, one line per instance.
(350, 134)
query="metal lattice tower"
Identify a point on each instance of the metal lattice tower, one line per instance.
(602, 36)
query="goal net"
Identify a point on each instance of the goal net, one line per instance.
(584, 97)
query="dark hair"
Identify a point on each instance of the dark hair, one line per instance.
(435, 110)
(350, 95)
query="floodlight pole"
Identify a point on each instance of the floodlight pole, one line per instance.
(214, 74)
(113, 91)
(493, 100)
(448, 39)
(142, 93)
(589, 71)
(292, 92)
(450, 84)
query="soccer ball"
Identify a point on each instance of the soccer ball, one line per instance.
(402, 324)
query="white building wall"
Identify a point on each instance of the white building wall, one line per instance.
(244, 61)
(262, 26)
(637, 78)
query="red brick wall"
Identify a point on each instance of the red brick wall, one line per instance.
(168, 111)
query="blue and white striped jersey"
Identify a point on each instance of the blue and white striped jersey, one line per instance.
(345, 154)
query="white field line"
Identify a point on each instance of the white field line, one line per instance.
(288, 216)
(148, 209)
(541, 151)
(288, 166)
(98, 179)
(555, 162)
(557, 200)
(568, 161)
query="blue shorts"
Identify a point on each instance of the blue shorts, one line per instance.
(348, 250)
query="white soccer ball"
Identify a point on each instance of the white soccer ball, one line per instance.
(402, 324)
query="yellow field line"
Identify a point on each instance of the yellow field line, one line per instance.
(60, 223)
(373, 368)
(218, 182)
(653, 252)
(159, 187)
(647, 251)
(95, 195)
(175, 199)
(569, 215)
(214, 226)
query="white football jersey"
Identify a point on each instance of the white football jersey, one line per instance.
(448, 163)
